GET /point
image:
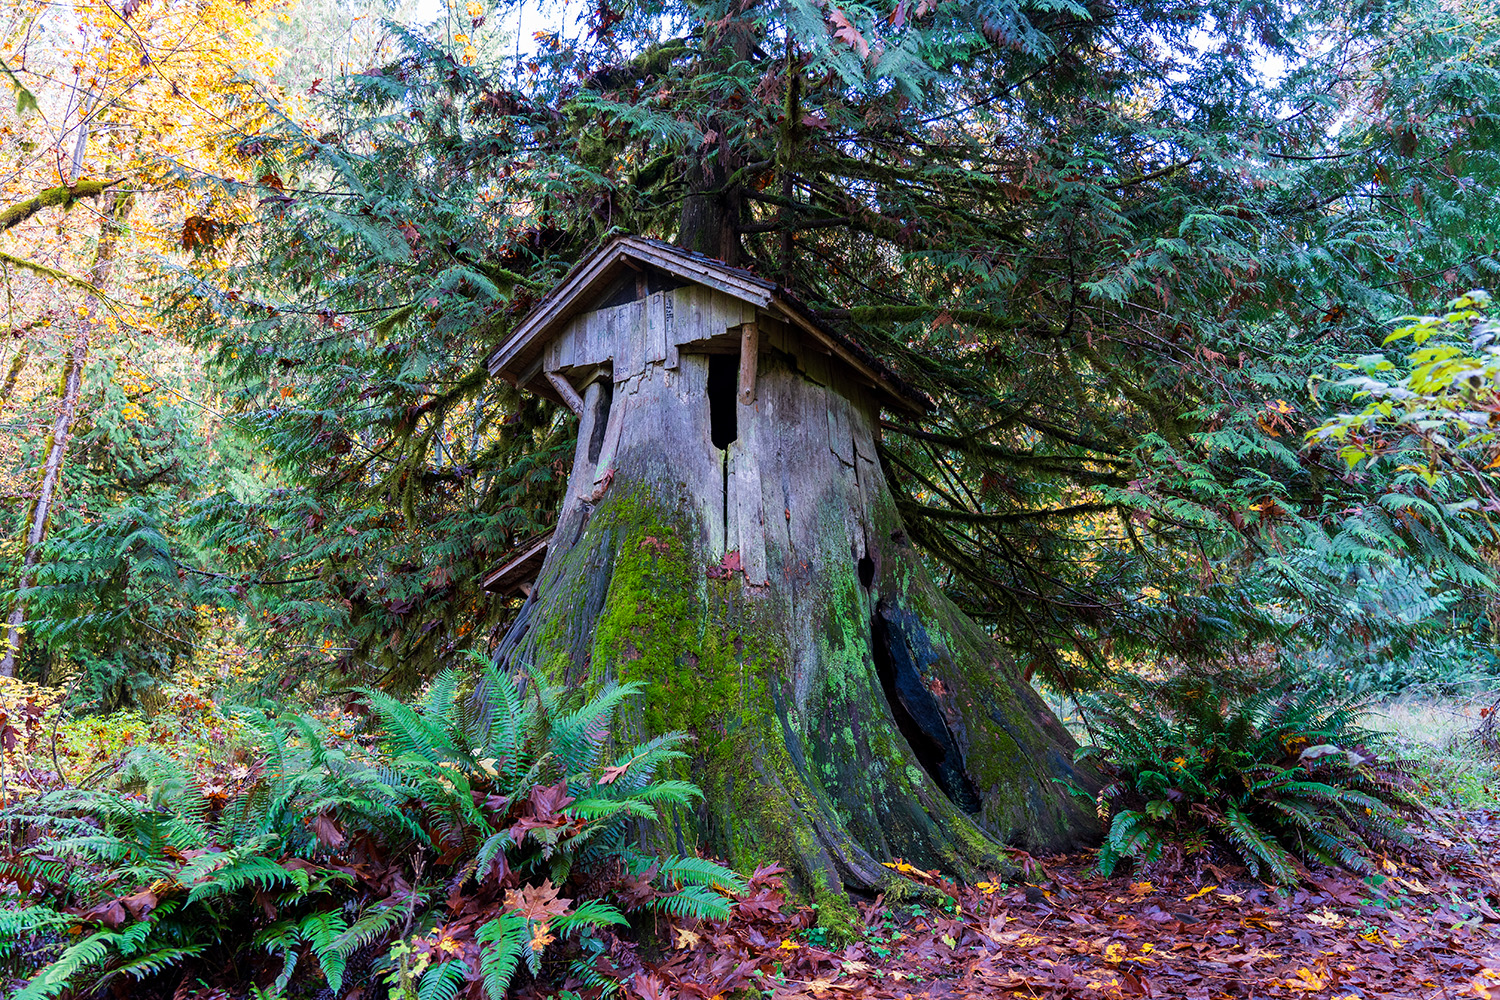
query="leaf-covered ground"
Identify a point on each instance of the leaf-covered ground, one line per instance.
(1427, 927)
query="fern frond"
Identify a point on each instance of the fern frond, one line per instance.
(501, 943)
(443, 981)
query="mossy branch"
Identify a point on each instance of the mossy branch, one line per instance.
(60, 195)
(52, 272)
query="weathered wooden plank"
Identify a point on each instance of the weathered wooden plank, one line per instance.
(749, 356)
(745, 501)
(671, 306)
(552, 353)
(814, 362)
(578, 348)
(690, 383)
(776, 410)
(723, 313)
(674, 418)
(774, 334)
(698, 316)
(581, 480)
(599, 340)
(840, 438)
(563, 352)
(656, 334)
(627, 331)
(745, 506)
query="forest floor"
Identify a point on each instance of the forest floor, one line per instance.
(1426, 926)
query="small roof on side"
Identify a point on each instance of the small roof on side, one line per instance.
(518, 359)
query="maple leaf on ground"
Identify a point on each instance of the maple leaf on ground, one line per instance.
(326, 829)
(547, 804)
(537, 902)
(649, 987)
(109, 913)
(140, 904)
(637, 890)
(730, 565)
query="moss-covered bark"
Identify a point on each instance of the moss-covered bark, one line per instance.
(845, 713)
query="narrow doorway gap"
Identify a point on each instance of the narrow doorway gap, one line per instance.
(724, 420)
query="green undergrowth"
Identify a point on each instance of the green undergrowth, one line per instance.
(457, 842)
(1281, 776)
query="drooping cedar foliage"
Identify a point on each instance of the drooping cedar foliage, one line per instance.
(1121, 245)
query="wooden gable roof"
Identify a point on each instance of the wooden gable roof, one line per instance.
(519, 359)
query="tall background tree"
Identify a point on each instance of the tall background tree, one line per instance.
(106, 416)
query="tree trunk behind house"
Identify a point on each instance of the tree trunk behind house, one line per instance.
(845, 712)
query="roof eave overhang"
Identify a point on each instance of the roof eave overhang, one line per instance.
(517, 359)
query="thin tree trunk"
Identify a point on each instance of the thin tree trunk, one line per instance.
(116, 210)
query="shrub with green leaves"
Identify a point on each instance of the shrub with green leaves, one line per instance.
(1433, 413)
(478, 831)
(1279, 776)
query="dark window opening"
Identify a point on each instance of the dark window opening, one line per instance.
(917, 715)
(723, 404)
(636, 285)
(601, 420)
(866, 571)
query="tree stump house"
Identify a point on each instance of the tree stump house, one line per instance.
(729, 539)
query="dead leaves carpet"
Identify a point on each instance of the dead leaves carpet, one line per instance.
(1428, 926)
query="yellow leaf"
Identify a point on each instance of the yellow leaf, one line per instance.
(1326, 918)
(1200, 893)
(1306, 980)
(686, 939)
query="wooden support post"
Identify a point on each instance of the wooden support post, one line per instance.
(749, 349)
(569, 394)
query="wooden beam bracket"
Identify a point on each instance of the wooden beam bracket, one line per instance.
(569, 394)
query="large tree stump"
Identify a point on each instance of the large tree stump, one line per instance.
(763, 588)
